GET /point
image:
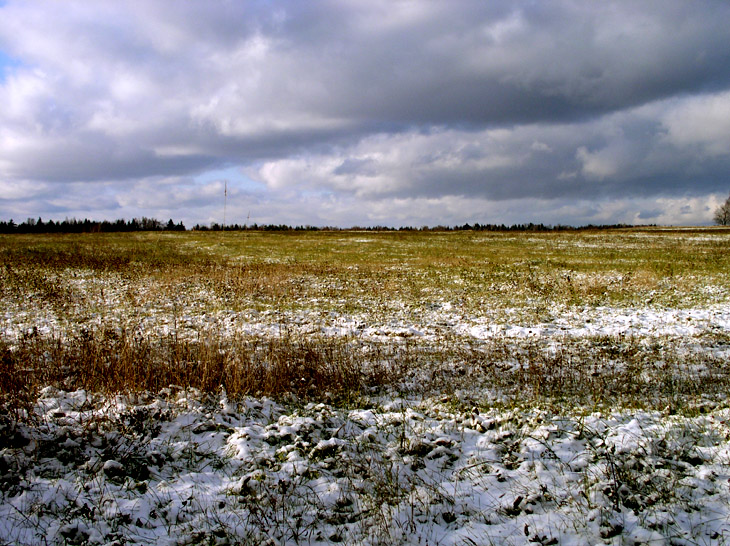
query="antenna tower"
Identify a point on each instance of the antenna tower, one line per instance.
(225, 202)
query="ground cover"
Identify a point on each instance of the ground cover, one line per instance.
(369, 388)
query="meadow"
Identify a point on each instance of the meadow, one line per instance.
(366, 387)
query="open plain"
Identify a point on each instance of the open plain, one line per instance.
(361, 387)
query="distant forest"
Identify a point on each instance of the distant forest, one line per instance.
(150, 224)
(88, 226)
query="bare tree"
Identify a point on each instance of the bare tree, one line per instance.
(722, 214)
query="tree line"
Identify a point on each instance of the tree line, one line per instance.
(73, 225)
(31, 225)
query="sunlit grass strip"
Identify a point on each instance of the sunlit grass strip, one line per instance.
(349, 270)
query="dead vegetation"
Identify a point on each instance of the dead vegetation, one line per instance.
(592, 373)
(87, 282)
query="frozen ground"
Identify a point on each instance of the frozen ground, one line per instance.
(182, 467)
(153, 311)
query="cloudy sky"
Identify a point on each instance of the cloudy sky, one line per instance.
(365, 112)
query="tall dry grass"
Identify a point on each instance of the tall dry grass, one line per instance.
(111, 361)
(593, 373)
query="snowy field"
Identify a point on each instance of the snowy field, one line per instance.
(565, 388)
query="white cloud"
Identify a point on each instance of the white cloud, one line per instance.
(21, 189)
(701, 122)
(387, 164)
(598, 164)
(540, 147)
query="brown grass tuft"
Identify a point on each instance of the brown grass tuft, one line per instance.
(111, 361)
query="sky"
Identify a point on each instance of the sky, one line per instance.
(365, 112)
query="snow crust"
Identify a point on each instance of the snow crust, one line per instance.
(186, 468)
(183, 468)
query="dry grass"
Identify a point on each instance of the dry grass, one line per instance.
(107, 361)
(595, 373)
(377, 274)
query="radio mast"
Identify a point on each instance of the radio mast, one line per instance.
(225, 202)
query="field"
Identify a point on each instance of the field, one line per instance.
(366, 388)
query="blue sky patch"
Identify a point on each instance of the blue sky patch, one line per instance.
(7, 64)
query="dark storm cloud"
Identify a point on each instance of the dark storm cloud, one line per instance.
(382, 101)
(507, 62)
